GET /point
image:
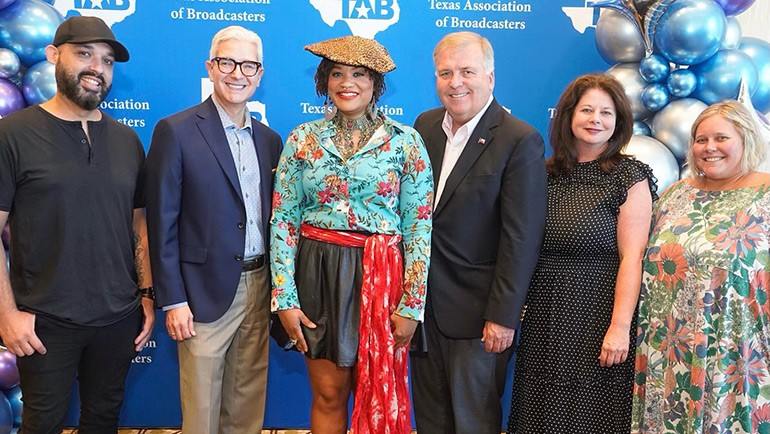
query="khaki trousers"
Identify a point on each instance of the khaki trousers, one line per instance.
(223, 369)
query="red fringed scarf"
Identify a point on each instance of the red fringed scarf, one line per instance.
(381, 403)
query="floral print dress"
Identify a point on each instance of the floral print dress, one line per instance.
(703, 354)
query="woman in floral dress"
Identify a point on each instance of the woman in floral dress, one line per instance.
(702, 362)
(350, 244)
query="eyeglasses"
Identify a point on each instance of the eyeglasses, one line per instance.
(227, 66)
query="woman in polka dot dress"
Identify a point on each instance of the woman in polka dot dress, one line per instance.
(573, 369)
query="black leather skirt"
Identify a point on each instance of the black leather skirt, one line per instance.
(328, 280)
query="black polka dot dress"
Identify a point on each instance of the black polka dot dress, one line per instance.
(559, 387)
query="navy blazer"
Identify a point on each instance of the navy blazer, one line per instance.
(488, 225)
(195, 211)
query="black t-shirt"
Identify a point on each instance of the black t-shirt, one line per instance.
(71, 211)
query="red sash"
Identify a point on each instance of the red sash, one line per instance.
(381, 401)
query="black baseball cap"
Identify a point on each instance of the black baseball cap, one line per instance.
(82, 30)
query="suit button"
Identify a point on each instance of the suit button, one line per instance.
(239, 257)
(241, 225)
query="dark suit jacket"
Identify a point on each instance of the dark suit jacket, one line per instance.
(488, 225)
(195, 211)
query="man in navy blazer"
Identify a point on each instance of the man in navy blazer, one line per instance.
(488, 223)
(208, 183)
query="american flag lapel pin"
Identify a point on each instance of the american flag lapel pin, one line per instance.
(482, 140)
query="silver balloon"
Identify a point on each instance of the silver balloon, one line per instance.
(618, 39)
(671, 126)
(628, 75)
(657, 156)
(39, 84)
(9, 63)
(733, 33)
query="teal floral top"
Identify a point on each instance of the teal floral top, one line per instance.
(386, 187)
(703, 359)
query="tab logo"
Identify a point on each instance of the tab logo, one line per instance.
(368, 9)
(364, 17)
(111, 11)
(112, 5)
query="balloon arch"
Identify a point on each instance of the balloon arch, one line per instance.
(674, 58)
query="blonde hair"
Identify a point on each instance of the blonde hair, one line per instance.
(738, 115)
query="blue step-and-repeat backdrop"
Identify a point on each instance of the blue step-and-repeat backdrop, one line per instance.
(540, 46)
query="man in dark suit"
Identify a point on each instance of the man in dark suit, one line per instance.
(488, 222)
(208, 179)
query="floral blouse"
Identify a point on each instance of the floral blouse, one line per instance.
(386, 187)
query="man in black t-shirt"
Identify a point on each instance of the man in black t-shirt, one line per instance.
(78, 298)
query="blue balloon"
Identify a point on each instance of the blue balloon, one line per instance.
(642, 129)
(655, 97)
(4, 3)
(6, 415)
(720, 77)
(14, 398)
(39, 84)
(9, 63)
(681, 83)
(759, 51)
(11, 98)
(734, 7)
(690, 31)
(654, 68)
(27, 27)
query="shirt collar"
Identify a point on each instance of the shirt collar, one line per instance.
(225, 118)
(469, 126)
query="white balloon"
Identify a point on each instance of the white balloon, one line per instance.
(657, 156)
(671, 126)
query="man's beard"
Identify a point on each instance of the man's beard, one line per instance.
(69, 86)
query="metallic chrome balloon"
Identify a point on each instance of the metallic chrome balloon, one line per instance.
(690, 31)
(39, 84)
(685, 172)
(671, 126)
(628, 75)
(681, 83)
(720, 77)
(642, 129)
(11, 98)
(4, 3)
(655, 97)
(9, 63)
(654, 68)
(26, 27)
(734, 7)
(759, 52)
(618, 39)
(657, 156)
(733, 33)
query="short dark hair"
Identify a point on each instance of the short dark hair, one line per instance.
(562, 138)
(325, 68)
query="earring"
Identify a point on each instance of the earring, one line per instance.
(371, 110)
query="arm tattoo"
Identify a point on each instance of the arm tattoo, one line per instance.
(138, 255)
